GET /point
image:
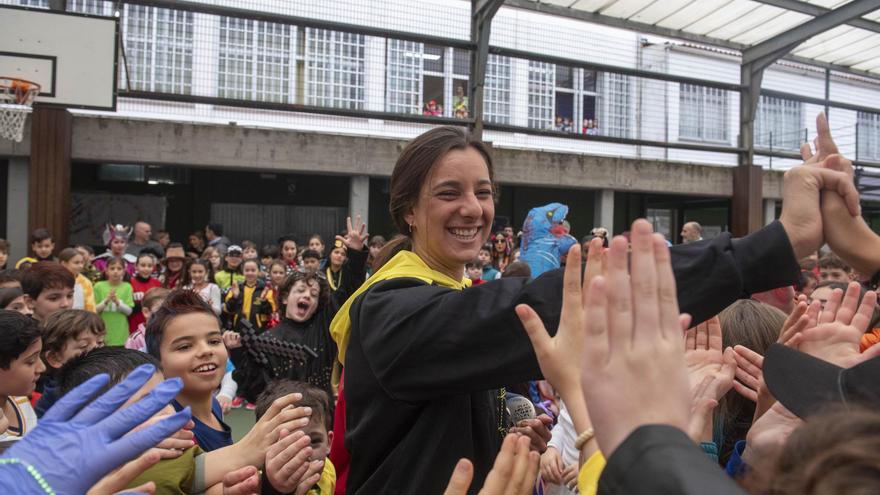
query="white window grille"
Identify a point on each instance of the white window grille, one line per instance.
(496, 98)
(403, 91)
(334, 68)
(868, 136)
(702, 113)
(542, 81)
(159, 49)
(617, 117)
(254, 60)
(94, 7)
(41, 4)
(779, 123)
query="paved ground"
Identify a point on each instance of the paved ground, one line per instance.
(240, 420)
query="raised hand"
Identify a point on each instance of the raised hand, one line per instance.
(704, 357)
(242, 481)
(287, 462)
(356, 235)
(633, 369)
(768, 434)
(231, 339)
(750, 380)
(236, 290)
(514, 472)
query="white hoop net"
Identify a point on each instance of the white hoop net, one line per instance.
(16, 98)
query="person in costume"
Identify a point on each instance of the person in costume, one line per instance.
(545, 239)
(501, 248)
(116, 239)
(425, 354)
(333, 270)
(308, 307)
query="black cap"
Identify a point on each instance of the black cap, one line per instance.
(804, 384)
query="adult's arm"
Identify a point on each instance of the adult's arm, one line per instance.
(661, 459)
(248, 375)
(424, 341)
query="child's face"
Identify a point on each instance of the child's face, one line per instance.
(277, 273)
(485, 257)
(215, 260)
(20, 305)
(317, 245)
(251, 271)
(198, 274)
(288, 250)
(374, 250)
(115, 271)
(24, 371)
(833, 275)
(320, 437)
(302, 300)
(266, 260)
(117, 246)
(83, 343)
(175, 265)
(145, 266)
(249, 253)
(4, 256)
(474, 272)
(149, 310)
(44, 248)
(311, 265)
(164, 239)
(233, 261)
(87, 256)
(51, 300)
(337, 257)
(192, 349)
(75, 264)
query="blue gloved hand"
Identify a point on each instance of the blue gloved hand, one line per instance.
(72, 449)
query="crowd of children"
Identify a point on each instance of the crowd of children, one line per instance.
(623, 395)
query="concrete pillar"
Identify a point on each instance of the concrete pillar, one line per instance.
(769, 211)
(17, 210)
(603, 212)
(359, 198)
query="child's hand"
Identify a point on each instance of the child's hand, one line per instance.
(514, 471)
(118, 480)
(236, 290)
(243, 481)
(551, 466)
(232, 339)
(225, 403)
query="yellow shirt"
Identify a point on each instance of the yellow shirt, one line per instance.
(88, 292)
(588, 477)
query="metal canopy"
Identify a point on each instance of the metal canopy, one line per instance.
(737, 24)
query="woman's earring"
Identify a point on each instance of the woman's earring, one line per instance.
(410, 228)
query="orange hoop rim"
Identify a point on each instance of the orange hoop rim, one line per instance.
(24, 91)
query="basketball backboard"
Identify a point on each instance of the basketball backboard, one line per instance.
(71, 56)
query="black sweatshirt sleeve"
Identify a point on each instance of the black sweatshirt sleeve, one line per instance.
(660, 460)
(247, 374)
(353, 276)
(425, 341)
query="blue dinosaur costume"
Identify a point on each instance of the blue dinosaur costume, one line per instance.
(544, 240)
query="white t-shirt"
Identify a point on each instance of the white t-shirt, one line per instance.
(23, 421)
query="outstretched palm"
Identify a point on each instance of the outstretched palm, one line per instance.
(356, 235)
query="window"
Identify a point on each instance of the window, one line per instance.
(434, 81)
(159, 49)
(779, 123)
(94, 7)
(403, 92)
(542, 82)
(617, 120)
(702, 113)
(496, 94)
(334, 68)
(254, 60)
(41, 4)
(868, 136)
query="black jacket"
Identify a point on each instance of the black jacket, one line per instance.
(661, 460)
(315, 333)
(423, 361)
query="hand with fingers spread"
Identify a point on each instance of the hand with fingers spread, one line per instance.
(356, 235)
(704, 402)
(704, 357)
(797, 321)
(634, 372)
(89, 441)
(173, 446)
(750, 380)
(841, 326)
(281, 415)
(288, 460)
(514, 472)
(242, 481)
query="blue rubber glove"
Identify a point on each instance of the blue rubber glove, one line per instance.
(72, 449)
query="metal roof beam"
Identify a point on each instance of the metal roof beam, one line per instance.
(816, 11)
(768, 51)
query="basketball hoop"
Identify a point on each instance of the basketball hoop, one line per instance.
(16, 98)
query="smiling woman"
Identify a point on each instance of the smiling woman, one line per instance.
(425, 356)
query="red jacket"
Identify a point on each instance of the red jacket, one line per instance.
(139, 288)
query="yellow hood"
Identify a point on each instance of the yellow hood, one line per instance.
(404, 264)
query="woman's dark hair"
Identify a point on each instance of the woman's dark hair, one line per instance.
(412, 170)
(292, 279)
(209, 270)
(835, 451)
